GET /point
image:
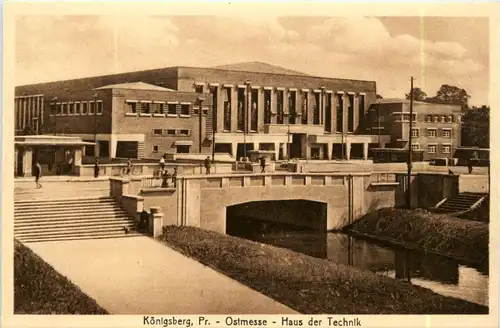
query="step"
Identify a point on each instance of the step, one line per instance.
(76, 230)
(79, 237)
(82, 199)
(70, 226)
(70, 213)
(63, 221)
(67, 205)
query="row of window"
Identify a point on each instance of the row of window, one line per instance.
(432, 133)
(180, 149)
(171, 132)
(432, 149)
(442, 119)
(76, 108)
(161, 108)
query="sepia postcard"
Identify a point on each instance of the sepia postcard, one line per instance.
(250, 164)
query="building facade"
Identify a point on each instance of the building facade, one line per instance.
(435, 130)
(148, 113)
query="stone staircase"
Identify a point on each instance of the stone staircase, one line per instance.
(461, 203)
(68, 210)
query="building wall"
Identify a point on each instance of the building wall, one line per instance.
(28, 114)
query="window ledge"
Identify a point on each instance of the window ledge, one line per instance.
(184, 115)
(145, 115)
(130, 114)
(171, 115)
(158, 115)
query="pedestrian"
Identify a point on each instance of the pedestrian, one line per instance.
(207, 165)
(174, 177)
(129, 166)
(143, 220)
(263, 164)
(96, 168)
(38, 173)
(162, 162)
(469, 165)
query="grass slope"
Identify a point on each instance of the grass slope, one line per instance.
(39, 289)
(309, 285)
(458, 238)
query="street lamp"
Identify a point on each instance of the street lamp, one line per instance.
(94, 98)
(214, 124)
(245, 117)
(200, 125)
(322, 108)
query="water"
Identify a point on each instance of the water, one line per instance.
(443, 275)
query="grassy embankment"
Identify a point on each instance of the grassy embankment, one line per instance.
(461, 239)
(39, 289)
(307, 284)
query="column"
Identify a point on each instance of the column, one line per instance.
(285, 151)
(27, 161)
(234, 149)
(309, 108)
(260, 109)
(345, 112)
(112, 145)
(274, 106)
(355, 113)
(255, 145)
(365, 151)
(78, 156)
(348, 150)
(16, 151)
(23, 104)
(286, 109)
(220, 108)
(276, 150)
(97, 149)
(248, 103)
(329, 150)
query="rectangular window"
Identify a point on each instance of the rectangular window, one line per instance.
(131, 107)
(215, 103)
(414, 133)
(292, 98)
(436, 119)
(64, 109)
(446, 149)
(172, 109)
(432, 149)
(267, 106)
(71, 109)
(53, 109)
(91, 107)
(156, 149)
(446, 133)
(316, 112)
(254, 125)
(184, 132)
(381, 118)
(340, 113)
(185, 109)
(414, 117)
(157, 132)
(328, 112)
(78, 108)
(171, 132)
(450, 119)
(305, 106)
(145, 108)
(350, 114)
(85, 108)
(361, 109)
(241, 110)
(99, 108)
(279, 104)
(431, 133)
(428, 118)
(415, 146)
(157, 108)
(198, 88)
(182, 149)
(443, 119)
(227, 96)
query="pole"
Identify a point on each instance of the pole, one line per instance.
(378, 119)
(245, 117)
(214, 125)
(288, 145)
(95, 124)
(200, 115)
(408, 194)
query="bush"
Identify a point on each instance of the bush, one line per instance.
(39, 289)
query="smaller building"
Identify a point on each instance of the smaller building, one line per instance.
(435, 130)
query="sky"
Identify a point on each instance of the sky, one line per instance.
(388, 50)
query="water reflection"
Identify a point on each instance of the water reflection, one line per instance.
(440, 274)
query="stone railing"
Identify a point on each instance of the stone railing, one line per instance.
(138, 169)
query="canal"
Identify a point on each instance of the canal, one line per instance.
(443, 275)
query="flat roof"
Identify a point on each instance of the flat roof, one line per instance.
(48, 140)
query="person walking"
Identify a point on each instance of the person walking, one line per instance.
(96, 168)
(38, 173)
(207, 165)
(174, 177)
(469, 165)
(162, 162)
(262, 164)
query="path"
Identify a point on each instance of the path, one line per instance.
(142, 276)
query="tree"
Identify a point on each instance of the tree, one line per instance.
(449, 94)
(476, 127)
(418, 95)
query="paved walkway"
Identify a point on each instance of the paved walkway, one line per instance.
(139, 275)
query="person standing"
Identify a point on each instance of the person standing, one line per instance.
(38, 173)
(207, 165)
(96, 168)
(262, 164)
(129, 166)
(174, 177)
(162, 162)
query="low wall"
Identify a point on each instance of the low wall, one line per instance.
(137, 169)
(473, 183)
(165, 199)
(319, 166)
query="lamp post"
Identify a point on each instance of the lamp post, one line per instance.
(322, 108)
(408, 195)
(200, 125)
(245, 117)
(214, 124)
(94, 98)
